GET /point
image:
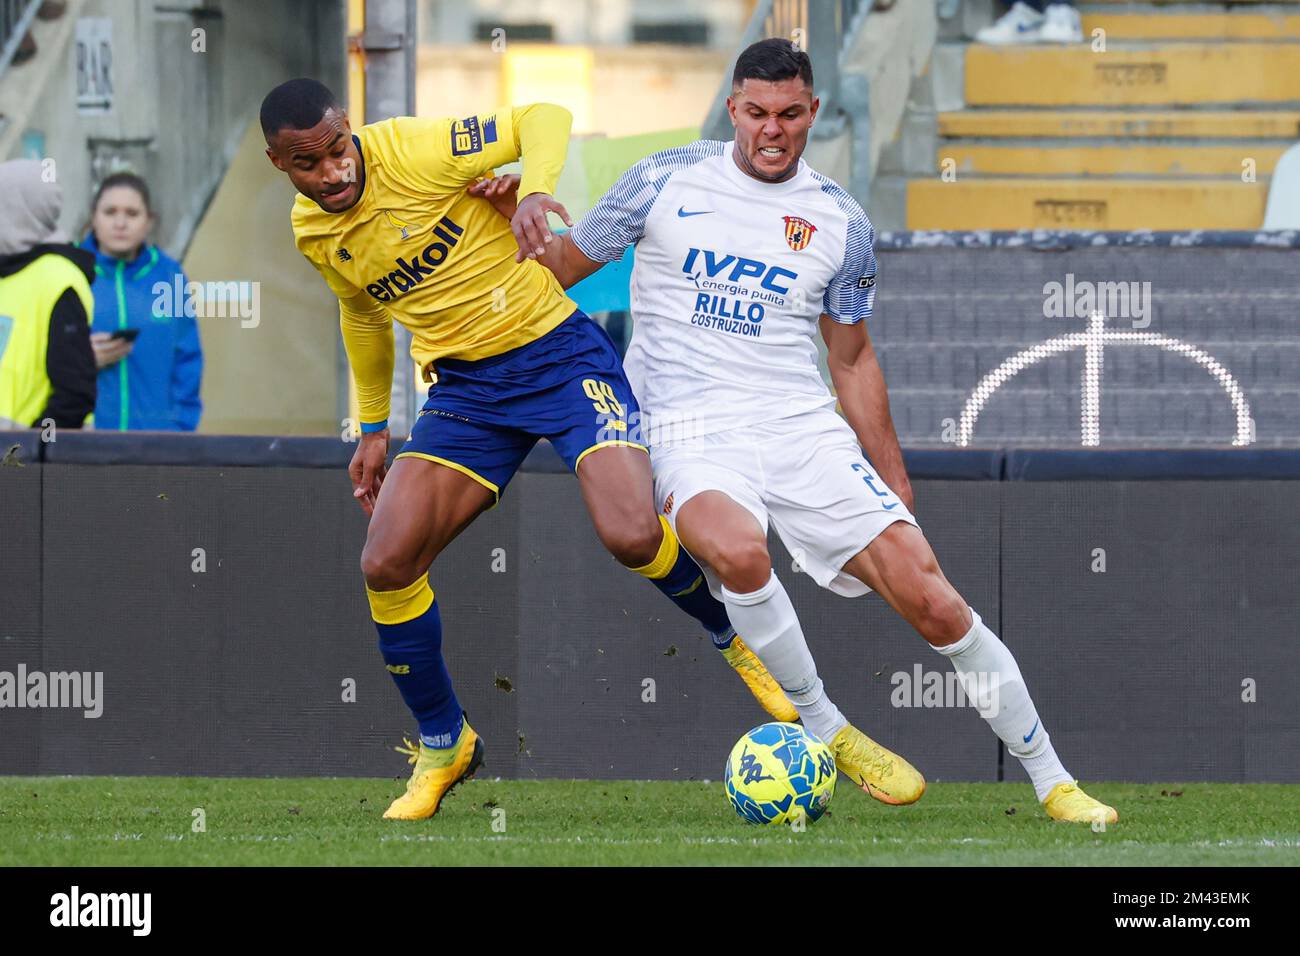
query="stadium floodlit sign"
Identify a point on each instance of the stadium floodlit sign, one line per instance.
(1094, 341)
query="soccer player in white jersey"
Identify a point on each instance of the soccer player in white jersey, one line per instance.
(742, 250)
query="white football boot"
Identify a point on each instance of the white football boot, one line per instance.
(1060, 25)
(1020, 24)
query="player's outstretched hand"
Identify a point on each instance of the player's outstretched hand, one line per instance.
(368, 467)
(530, 227)
(500, 191)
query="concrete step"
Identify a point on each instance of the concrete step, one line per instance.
(1153, 74)
(1158, 124)
(1109, 159)
(1085, 204)
(1193, 26)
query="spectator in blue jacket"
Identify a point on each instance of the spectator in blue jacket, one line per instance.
(151, 381)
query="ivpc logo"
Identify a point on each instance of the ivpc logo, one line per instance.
(715, 264)
(728, 300)
(408, 275)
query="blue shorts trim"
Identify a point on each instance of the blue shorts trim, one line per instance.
(483, 418)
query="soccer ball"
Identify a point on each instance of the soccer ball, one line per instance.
(778, 773)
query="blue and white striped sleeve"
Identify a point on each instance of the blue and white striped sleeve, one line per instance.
(618, 218)
(851, 295)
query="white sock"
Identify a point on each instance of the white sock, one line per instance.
(767, 623)
(989, 672)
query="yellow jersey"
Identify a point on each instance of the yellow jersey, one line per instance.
(29, 300)
(416, 247)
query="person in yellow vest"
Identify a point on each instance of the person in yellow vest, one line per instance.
(47, 367)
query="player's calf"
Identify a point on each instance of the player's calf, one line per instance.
(617, 487)
(939, 613)
(619, 493)
(421, 508)
(901, 567)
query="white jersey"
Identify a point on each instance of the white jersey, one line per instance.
(731, 275)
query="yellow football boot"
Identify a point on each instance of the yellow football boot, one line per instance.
(1069, 804)
(433, 777)
(884, 775)
(760, 683)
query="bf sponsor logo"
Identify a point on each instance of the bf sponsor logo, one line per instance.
(468, 136)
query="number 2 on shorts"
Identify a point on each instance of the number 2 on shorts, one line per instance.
(868, 477)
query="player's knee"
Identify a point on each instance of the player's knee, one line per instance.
(744, 566)
(634, 542)
(385, 569)
(941, 615)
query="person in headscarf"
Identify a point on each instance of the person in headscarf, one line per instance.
(47, 367)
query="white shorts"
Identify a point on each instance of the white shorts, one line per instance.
(807, 472)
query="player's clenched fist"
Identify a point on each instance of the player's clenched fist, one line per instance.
(368, 467)
(530, 227)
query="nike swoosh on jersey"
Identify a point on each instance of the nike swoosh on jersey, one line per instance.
(682, 213)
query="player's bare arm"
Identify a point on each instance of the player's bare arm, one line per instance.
(860, 388)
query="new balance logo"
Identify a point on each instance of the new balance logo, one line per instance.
(344, 255)
(410, 273)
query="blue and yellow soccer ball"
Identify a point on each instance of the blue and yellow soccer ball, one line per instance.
(779, 772)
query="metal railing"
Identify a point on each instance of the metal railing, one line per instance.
(16, 18)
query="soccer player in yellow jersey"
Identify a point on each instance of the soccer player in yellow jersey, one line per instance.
(384, 215)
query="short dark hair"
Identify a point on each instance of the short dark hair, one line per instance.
(773, 59)
(296, 104)
(129, 180)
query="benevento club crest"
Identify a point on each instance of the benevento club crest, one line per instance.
(798, 232)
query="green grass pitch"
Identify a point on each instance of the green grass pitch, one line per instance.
(127, 821)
